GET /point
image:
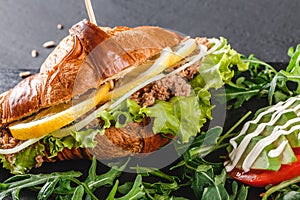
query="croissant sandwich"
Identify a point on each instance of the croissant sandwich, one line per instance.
(114, 92)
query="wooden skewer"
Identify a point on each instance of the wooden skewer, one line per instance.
(92, 17)
(90, 11)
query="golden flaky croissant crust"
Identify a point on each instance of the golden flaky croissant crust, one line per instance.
(54, 83)
(98, 55)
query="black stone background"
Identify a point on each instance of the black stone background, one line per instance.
(266, 28)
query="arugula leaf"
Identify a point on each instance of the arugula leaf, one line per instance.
(159, 189)
(33, 180)
(64, 185)
(208, 186)
(256, 81)
(113, 191)
(205, 142)
(291, 195)
(209, 179)
(136, 192)
(238, 193)
(92, 172)
(48, 188)
(285, 189)
(263, 80)
(93, 181)
(78, 193)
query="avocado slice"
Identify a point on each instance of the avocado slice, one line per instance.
(293, 139)
(263, 161)
(284, 118)
(287, 156)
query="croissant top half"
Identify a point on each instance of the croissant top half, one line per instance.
(97, 53)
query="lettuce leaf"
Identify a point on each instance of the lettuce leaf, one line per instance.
(56, 145)
(167, 117)
(173, 117)
(181, 116)
(85, 138)
(187, 110)
(127, 111)
(164, 119)
(218, 67)
(205, 106)
(23, 160)
(107, 118)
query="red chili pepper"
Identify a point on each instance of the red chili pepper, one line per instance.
(261, 178)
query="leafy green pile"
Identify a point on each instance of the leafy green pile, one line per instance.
(262, 80)
(207, 179)
(63, 185)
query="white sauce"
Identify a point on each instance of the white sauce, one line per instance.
(278, 107)
(276, 152)
(247, 124)
(257, 149)
(238, 150)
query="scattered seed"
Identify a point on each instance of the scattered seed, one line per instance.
(49, 44)
(34, 53)
(60, 26)
(24, 74)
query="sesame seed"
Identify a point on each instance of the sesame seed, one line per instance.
(34, 53)
(24, 74)
(60, 26)
(49, 44)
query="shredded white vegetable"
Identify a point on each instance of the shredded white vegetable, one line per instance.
(20, 147)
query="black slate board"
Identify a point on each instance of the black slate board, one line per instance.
(266, 28)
